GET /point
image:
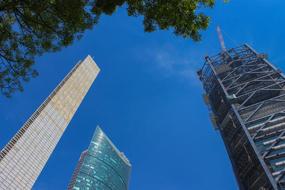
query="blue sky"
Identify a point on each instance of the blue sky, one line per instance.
(147, 97)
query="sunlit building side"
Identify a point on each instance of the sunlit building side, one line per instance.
(24, 157)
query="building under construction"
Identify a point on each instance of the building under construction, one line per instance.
(245, 95)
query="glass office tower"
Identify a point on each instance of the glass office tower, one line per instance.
(101, 167)
(23, 158)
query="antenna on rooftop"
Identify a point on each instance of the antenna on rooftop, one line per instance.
(221, 39)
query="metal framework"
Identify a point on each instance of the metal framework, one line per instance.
(246, 98)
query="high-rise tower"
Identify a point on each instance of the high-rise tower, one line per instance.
(101, 167)
(23, 158)
(246, 97)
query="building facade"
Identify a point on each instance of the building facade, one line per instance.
(246, 98)
(24, 157)
(101, 167)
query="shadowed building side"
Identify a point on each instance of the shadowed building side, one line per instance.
(24, 157)
(102, 166)
(77, 169)
(246, 97)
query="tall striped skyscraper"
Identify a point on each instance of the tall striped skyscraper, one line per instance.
(101, 167)
(24, 157)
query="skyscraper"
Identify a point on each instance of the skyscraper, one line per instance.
(246, 98)
(101, 167)
(23, 158)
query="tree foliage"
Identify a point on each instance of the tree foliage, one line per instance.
(32, 27)
(182, 16)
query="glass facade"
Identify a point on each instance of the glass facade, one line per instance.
(23, 158)
(101, 167)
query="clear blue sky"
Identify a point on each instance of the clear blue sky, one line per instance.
(147, 97)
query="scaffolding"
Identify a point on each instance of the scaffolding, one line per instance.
(245, 95)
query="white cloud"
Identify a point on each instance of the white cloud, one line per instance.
(173, 62)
